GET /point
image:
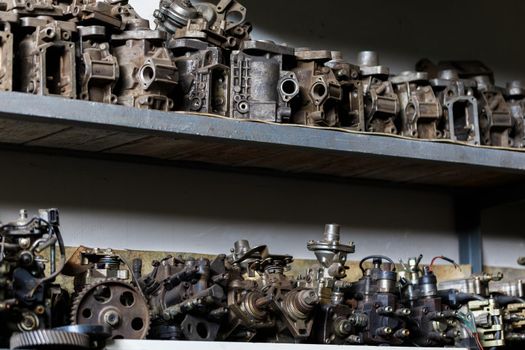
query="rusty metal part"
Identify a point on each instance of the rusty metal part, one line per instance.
(269, 306)
(475, 284)
(261, 88)
(431, 322)
(47, 57)
(203, 77)
(50, 339)
(421, 112)
(463, 69)
(489, 321)
(483, 308)
(509, 288)
(28, 298)
(495, 118)
(33, 8)
(98, 334)
(331, 255)
(187, 297)
(94, 265)
(114, 303)
(248, 313)
(460, 106)
(379, 317)
(332, 324)
(320, 93)
(381, 103)
(293, 307)
(99, 69)
(93, 12)
(351, 109)
(514, 318)
(521, 261)
(221, 25)
(148, 75)
(7, 53)
(515, 96)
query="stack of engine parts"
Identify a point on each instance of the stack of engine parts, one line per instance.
(247, 295)
(201, 59)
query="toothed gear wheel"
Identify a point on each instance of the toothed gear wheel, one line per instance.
(49, 339)
(114, 303)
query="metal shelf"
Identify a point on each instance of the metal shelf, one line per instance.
(39, 122)
(191, 345)
(476, 177)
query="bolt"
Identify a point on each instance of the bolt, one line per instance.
(345, 327)
(112, 318)
(385, 331)
(402, 333)
(354, 339)
(24, 243)
(39, 310)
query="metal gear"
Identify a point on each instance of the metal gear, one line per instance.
(49, 339)
(114, 303)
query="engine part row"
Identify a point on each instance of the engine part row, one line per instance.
(200, 58)
(247, 295)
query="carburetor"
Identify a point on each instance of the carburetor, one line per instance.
(28, 298)
(187, 297)
(7, 21)
(320, 93)
(203, 77)
(47, 57)
(379, 317)
(106, 294)
(99, 69)
(261, 86)
(381, 102)
(222, 25)
(481, 306)
(421, 112)
(148, 75)
(460, 106)
(432, 322)
(515, 96)
(495, 118)
(332, 320)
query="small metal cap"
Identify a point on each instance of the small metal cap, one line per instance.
(515, 88)
(368, 59)
(332, 232)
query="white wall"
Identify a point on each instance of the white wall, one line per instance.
(402, 31)
(133, 206)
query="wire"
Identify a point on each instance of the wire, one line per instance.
(431, 266)
(473, 335)
(382, 257)
(53, 230)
